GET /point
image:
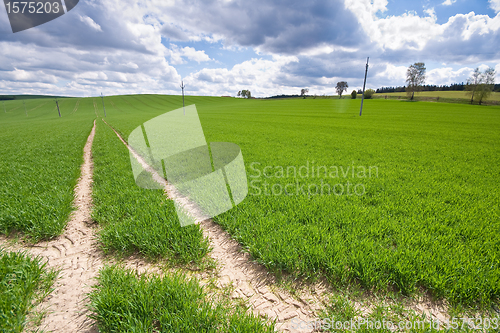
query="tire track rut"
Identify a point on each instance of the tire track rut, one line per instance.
(75, 252)
(76, 255)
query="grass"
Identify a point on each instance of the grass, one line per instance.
(428, 216)
(41, 159)
(24, 282)
(132, 218)
(428, 219)
(122, 301)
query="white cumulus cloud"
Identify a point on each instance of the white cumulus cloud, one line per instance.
(495, 5)
(178, 54)
(90, 22)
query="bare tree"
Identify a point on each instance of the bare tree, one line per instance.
(415, 78)
(303, 92)
(480, 84)
(341, 87)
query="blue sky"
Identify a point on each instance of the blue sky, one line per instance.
(443, 9)
(271, 47)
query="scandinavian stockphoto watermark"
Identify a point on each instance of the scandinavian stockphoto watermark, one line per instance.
(211, 175)
(309, 179)
(28, 14)
(425, 324)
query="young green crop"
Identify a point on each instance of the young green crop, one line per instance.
(427, 216)
(24, 282)
(133, 218)
(122, 301)
(41, 158)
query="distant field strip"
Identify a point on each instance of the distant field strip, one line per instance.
(76, 106)
(495, 96)
(113, 105)
(38, 106)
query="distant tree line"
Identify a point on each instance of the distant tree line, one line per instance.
(7, 98)
(285, 96)
(16, 97)
(427, 87)
(431, 87)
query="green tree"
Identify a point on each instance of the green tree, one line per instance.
(341, 87)
(415, 78)
(303, 92)
(353, 94)
(244, 93)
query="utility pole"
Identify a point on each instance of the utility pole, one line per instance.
(183, 86)
(102, 97)
(58, 111)
(364, 85)
(24, 103)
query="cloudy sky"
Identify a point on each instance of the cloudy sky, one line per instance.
(268, 46)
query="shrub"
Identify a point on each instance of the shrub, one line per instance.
(369, 93)
(353, 94)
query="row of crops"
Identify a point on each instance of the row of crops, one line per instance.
(405, 197)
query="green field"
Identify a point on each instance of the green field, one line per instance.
(428, 216)
(404, 198)
(40, 164)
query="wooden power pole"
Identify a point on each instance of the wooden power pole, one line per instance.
(58, 111)
(183, 86)
(364, 85)
(102, 97)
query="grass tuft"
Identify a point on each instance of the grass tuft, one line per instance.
(24, 282)
(123, 301)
